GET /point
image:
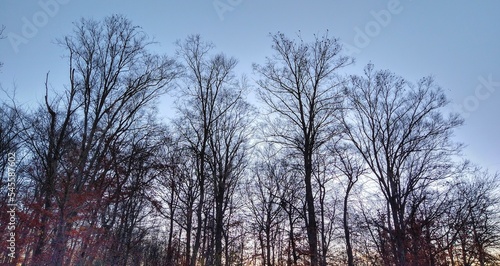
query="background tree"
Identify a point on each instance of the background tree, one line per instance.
(265, 204)
(10, 128)
(13, 184)
(176, 194)
(298, 86)
(131, 201)
(476, 229)
(351, 167)
(326, 200)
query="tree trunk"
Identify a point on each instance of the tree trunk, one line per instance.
(171, 226)
(219, 223)
(398, 235)
(292, 239)
(201, 203)
(347, 233)
(189, 229)
(43, 229)
(59, 242)
(312, 230)
(268, 243)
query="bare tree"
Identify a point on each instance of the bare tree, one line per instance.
(48, 138)
(298, 85)
(477, 227)
(130, 200)
(326, 199)
(404, 139)
(264, 198)
(211, 127)
(10, 128)
(176, 191)
(351, 167)
(113, 78)
(12, 182)
(228, 151)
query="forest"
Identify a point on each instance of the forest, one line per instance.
(323, 168)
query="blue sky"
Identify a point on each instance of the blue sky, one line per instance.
(458, 42)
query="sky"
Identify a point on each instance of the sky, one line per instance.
(456, 42)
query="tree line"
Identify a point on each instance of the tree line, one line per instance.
(331, 169)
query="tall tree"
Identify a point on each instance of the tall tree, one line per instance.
(298, 84)
(113, 78)
(399, 130)
(210, 124)
(228, 151)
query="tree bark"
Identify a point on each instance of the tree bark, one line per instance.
(312, 229)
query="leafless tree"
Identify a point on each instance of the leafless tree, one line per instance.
(351, 167)
(476, 229)
(264, 197)
(113, 79)
(177, 191)
(13, 185)
(213, 125)
(400, 131)
(228, 151)
(10, 128)
(298, 85)
(130, 194)
(326, 199)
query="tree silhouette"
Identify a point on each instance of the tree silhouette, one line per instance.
(298, 86)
